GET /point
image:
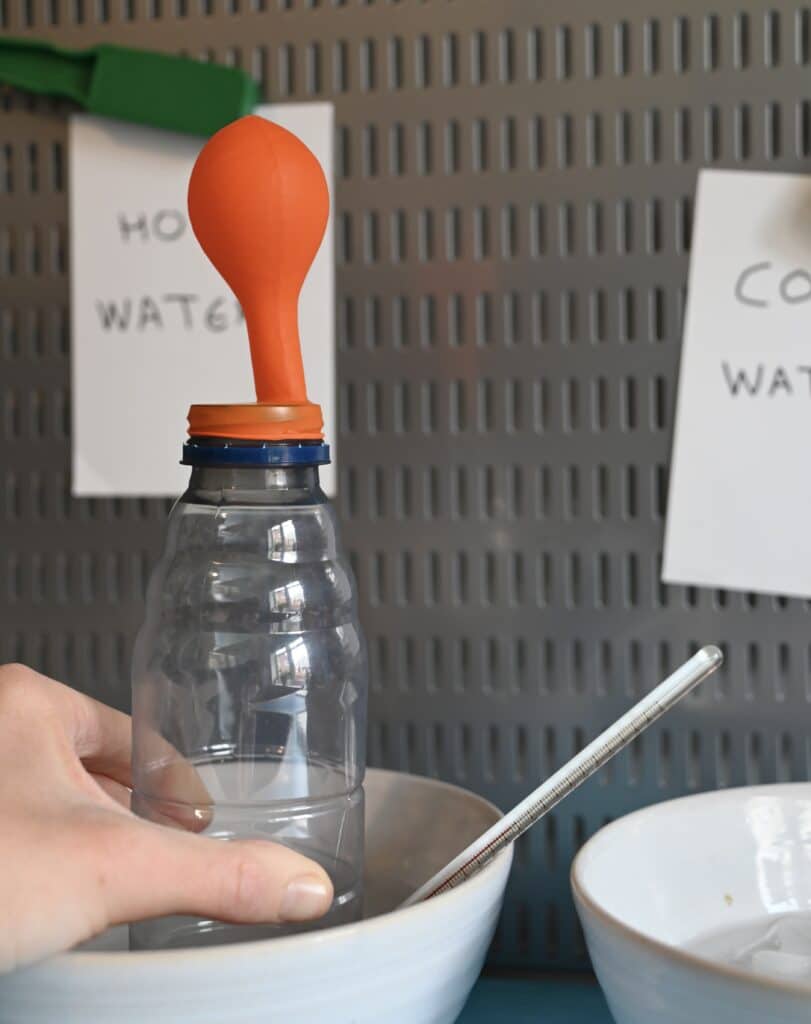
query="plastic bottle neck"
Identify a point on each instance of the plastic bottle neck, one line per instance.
(246, 485)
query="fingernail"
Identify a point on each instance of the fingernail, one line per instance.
(304, 898)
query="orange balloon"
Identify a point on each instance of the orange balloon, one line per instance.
(258, 204)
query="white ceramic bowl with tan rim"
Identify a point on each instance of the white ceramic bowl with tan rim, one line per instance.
(648, 886)
(413, 966)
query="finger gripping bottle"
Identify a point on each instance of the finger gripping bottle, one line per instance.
(249, 672)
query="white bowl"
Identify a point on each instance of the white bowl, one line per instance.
(413, 966)
(648, 886)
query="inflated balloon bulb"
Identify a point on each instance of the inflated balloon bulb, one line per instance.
(250, 667)
(258, 204)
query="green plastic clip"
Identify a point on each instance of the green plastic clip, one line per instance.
(157, 89)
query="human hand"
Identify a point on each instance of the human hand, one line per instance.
(74, 859)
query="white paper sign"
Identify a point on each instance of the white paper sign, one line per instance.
(155, 328)
(739, 512)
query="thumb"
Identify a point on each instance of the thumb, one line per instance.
(162, 870)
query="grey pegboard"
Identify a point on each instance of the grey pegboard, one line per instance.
(514, 198)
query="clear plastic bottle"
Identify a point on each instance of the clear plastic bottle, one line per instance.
(251, 668)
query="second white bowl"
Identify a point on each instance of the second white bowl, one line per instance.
(652, 885)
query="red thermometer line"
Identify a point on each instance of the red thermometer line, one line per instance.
(558, 786)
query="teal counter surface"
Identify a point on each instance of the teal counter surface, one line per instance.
(558, 999)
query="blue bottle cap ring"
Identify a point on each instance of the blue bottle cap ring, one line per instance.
(225, 452)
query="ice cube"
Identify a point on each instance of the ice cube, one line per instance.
(793, 934)
(783, 965)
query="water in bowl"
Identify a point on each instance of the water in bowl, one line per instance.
(778, 947)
